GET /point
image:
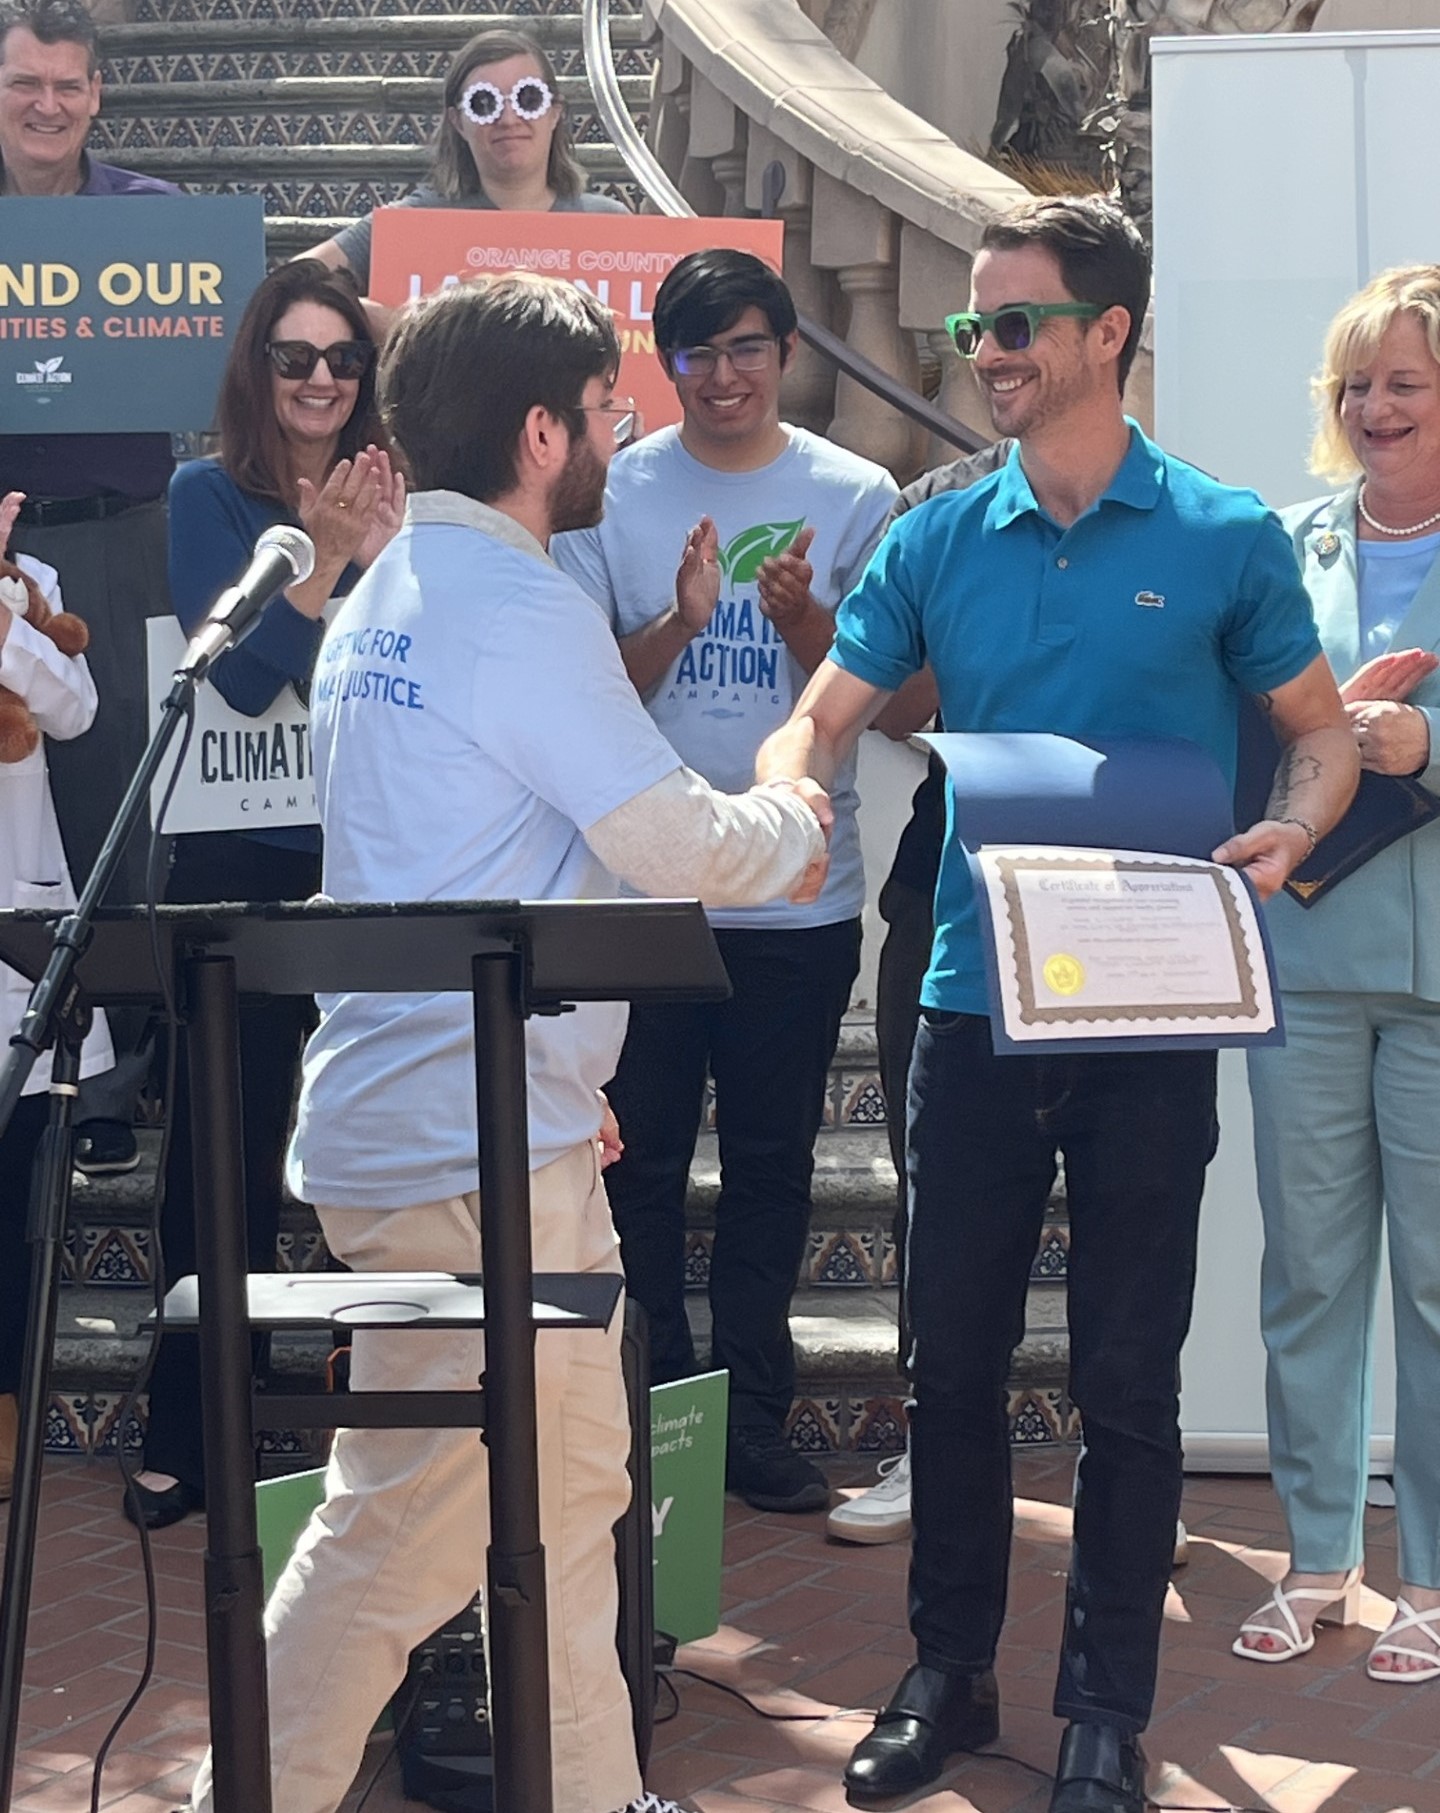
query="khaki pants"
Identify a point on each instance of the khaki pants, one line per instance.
(398, 1545)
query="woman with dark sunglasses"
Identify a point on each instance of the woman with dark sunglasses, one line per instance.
(300, 443)
(504, 142)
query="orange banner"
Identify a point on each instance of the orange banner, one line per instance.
(620, 258)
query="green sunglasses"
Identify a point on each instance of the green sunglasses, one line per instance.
(1013, 326)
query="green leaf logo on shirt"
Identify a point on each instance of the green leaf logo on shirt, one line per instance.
(740, 559)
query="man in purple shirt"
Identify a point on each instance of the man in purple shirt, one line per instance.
(94, 509)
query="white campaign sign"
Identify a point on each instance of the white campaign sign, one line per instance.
(240, 774)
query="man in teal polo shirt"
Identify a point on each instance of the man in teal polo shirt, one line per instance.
(1093, 586)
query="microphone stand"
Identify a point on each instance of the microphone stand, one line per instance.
(57, 1014)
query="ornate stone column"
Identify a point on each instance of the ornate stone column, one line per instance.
(857, 239)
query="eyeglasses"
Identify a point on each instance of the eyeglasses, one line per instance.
(749, 354)
(628, 425)
(1013, 326)
(530, 99)
(347, 359)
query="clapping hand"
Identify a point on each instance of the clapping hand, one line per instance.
(784, 581)
(388, 511)
(1393, 738)
(1393, 676)
(9, 510)
(697, 579)
(354, 510)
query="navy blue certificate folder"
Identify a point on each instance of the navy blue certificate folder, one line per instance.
(1158, 795)
(1386, 808)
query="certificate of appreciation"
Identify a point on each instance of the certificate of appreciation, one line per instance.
(1123, 946)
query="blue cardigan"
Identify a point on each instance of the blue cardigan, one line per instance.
(214, 526)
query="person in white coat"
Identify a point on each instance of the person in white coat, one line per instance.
(61, 697)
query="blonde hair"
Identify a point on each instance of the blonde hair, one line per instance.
(1351, 342)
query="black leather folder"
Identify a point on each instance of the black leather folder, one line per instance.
(1386, 808)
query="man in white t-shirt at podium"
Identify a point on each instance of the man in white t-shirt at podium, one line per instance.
(476, 737)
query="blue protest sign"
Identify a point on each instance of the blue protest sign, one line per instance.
(116, 316)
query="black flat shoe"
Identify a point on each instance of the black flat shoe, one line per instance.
(158, 1510)
(931, 1715)
(1101, 1770)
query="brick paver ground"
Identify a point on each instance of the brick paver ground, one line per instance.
(811, 1628)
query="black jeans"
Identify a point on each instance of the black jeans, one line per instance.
(1137, 1131)
(904, 958)
(227, 866)
(768, 1048)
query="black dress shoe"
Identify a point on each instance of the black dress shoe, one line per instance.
(1101, 1770)
(158, 1510)
(931, 1715)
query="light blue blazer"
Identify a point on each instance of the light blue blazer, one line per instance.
(1379, 931)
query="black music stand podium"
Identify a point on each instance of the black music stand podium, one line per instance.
(515, 959)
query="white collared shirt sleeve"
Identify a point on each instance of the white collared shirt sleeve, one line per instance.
(682, 837)
(57, 688)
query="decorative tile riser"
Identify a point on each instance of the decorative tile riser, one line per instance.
(298, 32)
(861, 1259)
(88, 1423)
(266, 120)
(109, 1257)
(858, 1420)
(227, 11)
(265, 62)
(117, 1255)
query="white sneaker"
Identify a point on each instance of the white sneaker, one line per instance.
(880, 1515)
(652, 1803)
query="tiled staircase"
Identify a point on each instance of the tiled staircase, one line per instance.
(844, 1315)
(328, 106)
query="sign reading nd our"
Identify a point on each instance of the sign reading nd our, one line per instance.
(117, 316)
(621, 259)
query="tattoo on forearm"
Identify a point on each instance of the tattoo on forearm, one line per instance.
(1297, 769)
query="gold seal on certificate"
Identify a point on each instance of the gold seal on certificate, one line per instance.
(1099, 944)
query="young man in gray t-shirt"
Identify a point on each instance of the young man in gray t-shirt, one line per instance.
(774, 525)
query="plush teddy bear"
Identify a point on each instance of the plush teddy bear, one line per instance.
(19, 733)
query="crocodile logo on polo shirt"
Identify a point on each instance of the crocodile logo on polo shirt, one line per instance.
(1154, 601)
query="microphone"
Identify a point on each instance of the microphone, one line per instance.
(283, 556)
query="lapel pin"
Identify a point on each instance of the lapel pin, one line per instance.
(1328, 545)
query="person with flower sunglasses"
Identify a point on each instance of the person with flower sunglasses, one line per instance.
(300, 442)
(504, 142)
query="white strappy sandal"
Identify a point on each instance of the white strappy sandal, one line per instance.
(1407, 1618)
(1338, 1605)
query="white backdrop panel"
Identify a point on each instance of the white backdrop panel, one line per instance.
(1288, 170)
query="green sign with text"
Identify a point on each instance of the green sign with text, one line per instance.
(117, 314)
(687, 1492)
(687, 1489)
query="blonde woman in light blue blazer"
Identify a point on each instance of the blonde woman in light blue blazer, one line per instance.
(1347, 1114)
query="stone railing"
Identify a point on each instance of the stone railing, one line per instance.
(883, 213)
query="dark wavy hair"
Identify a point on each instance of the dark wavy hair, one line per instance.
(453, 170)
(252, 449)
(463, 369)
(1099, 250)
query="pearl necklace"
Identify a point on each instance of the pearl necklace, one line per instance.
(1385, 529)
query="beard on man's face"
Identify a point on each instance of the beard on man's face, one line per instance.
(578, 498)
